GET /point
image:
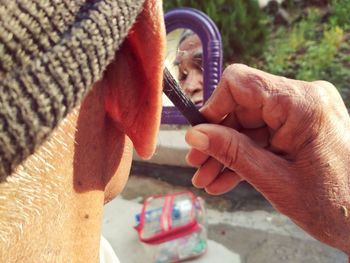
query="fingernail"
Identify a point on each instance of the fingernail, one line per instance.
(194, 180)
(197, 140)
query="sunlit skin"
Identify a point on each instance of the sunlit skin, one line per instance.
(51, 206)
(290, 139)
(189, 62)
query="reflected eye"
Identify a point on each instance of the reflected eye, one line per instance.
(197, 62)
(183, 75)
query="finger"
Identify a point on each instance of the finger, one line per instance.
(231, 121)
(225, 182)
(216, 112)
(196, 158)
(261, 136)
(251, 89)
(204, 176)
(250, 118)
(207, 173)
(236, 151)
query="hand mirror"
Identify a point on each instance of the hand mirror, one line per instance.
(193, 57)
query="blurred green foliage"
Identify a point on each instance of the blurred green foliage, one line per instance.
(303, 51)
(340, 13)
(315, 47)
(285, 44)
(242, 24)
(313, 64)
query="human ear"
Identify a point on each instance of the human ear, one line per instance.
(134, 80)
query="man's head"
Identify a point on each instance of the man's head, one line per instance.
(189, 61)
(51, 206)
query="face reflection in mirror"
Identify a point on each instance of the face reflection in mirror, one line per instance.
(189, 62)
(184, 60)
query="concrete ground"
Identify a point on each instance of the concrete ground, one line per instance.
(251, 232)
(243, 226)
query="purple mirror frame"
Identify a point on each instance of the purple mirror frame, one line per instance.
(210, 37)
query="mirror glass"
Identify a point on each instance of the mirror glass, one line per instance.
(194, 58)
(184, 59)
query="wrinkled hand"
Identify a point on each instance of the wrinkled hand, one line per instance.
(290, 139)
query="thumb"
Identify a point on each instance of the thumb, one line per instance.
(263, 169)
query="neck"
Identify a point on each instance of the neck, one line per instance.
(43, 218)
(51, 207)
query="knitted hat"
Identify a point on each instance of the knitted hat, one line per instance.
(51, 52)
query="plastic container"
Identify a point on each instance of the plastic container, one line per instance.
(173, 227)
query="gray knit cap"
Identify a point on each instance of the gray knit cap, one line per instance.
(51, 52)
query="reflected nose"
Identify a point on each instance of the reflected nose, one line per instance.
(193, 84)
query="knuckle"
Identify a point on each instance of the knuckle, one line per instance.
(319, 87)
(229, 152)
(286, 87)
(329, 99)
(318, 94)
(305, 97)
(323, 84)
(232, 70)
(322, 89)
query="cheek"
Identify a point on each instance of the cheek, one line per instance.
(117, 182)
(199, 78)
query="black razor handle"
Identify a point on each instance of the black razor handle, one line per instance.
(173, 91)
